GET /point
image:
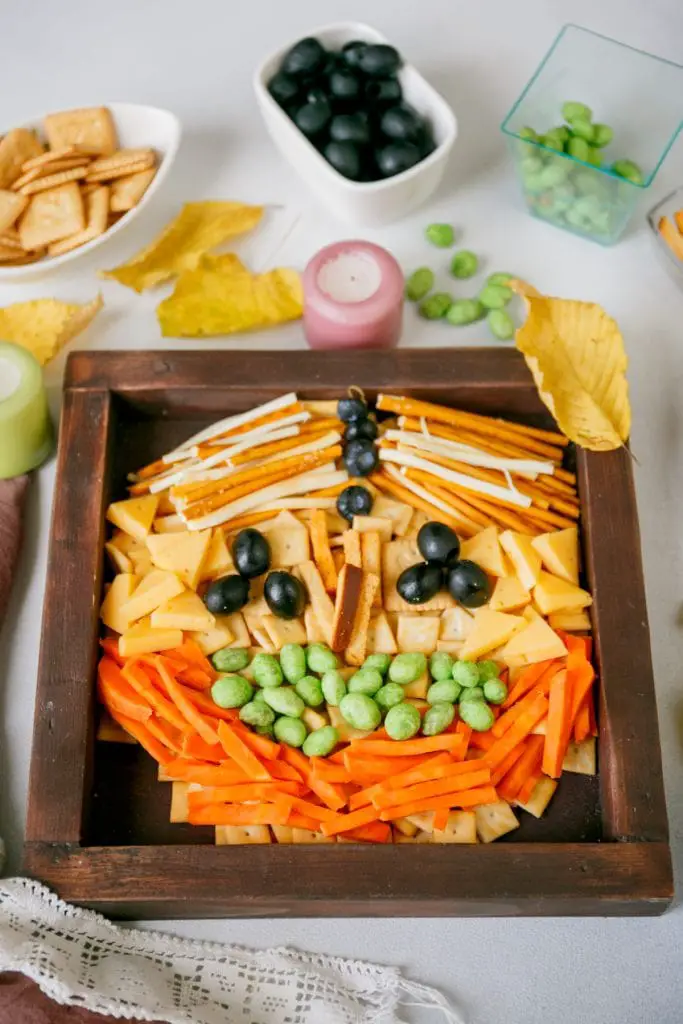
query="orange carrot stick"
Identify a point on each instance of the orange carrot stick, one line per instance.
(205, 703)
(440, 820)
(507, 763)
(581, 674)
(199, 750)
(142, 684)
(425, 790)
(259, 745)
(185, 706)
(165, 733)
(403, 748)
(331, 794)
(358, 763)
(558, 729)
(298, 820)
(528, 787)
(275, 813)
(234, 747)
(192, 653)
(144, 737)
(282, 770)
(528, 764)
(330, 772)
(195, 678)
(347, 822)
(375, 832)
(469, 798)
(517, 732)
(482, 740)
(405, 778)
(314, 811)
(241, 793)
(582, 722)
(525, 682)
(509, 717)
(227, 774)
(115, 692)
(439, 766)
(110, 646)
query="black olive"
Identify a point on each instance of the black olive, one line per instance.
(227, 595)
(383, 90)
(345, 158)
(360, 458)
(354, 501)
(316, 94)
(469, 584)
(351, 52)
(401, 123)
(283, 88)
(397, 157)
(419, 583)
(438, 543)
(425, 141)
(380, 59)
(350, 128)
(345, 84)
(312, 118)
(284, 594)
(361, 429)
(305, 58)
(351, 409)
(251, 553)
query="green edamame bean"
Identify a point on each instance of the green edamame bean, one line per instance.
(266, 670)
(435, 306)
(533, 183)
(571, 110)
(579, 149)
(594, 157)
(310, 690)
(563, 197)
(419, 284)
(291, 731)
(531, 165)
(495, 296)
(555, 173)
(320, 658)
(582, 129)
(629, 170)
(389, 695)
(380, 662)
(487, 670)
(465, 311)
(560, 131)
(602, 135)
(441, 235)
(265, 730)
(495, 691)
(406, 668)
(321, 742)
(360, 711)
(528, 134)
(500, 277)
(465, 673)
(441, 665)
(437, 718)
(333, 687)
(367, 680)
(475, 713)
(402, 721)
(285, 700)
(257, 713)
(230, 659)
(591, 184)
(501, 324)
(258, 697)
(552, 142)
(293, 662)
(231, 691)
(473, 693)
(464, 264)
(444, 690)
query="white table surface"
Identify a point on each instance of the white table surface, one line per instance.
(196, 59)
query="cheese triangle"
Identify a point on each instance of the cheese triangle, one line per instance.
(142, 638)
(485, 550)
(118, 594)
(525, 559)
(181, 553)
(552, 594)
(491, 629)
(218, 560)
(560, 552)
(537, 642)
(135, 515)
(508, 595)
(185, 611)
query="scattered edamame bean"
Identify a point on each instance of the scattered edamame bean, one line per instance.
(437, 718)
(473, 693)
(464, 311)
(380, 662)
(266, 670)
(333, 687)
(389, 695)
(230, 659)
(435, 306)
(293, 662)
(571, 110)
(629, 170)
(367, 680)
(231, 691)
(464, 264)
(579, 149)
(500, 277)
(257, 713)
(441, 235)
(443, 690)
(360, 711)
(495, 296)
(321, 742)
(501, 324)
(291, 731)
(310, 690)
(403, 721)
(441, 665)
(495, 691)
(487, 670)
(320, 658)
(602, 135)
(285, 700)
(465, 673)
(406, 668)
(419, 284)
(475, 713)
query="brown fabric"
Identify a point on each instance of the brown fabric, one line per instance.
(11, 514)
(22, 1002)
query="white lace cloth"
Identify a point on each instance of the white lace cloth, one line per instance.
(79, 958)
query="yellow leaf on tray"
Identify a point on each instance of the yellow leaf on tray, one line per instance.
(44, 326)
(198, 228)
(576, 355)
(222, 297)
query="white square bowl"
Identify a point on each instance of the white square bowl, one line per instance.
(137, 126)
(361, 203)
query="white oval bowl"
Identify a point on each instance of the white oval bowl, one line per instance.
(361, 203)
(137, 126)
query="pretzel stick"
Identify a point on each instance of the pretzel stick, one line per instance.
(489, 510)
(383, 482)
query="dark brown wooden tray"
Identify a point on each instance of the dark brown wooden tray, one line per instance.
(98, 829)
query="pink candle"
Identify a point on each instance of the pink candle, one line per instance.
(353, 297)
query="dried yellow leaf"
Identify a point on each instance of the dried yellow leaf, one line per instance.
(576, 355)
(44, 326)
(198, 228)
(223, 297)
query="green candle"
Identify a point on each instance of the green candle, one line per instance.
(26, 436)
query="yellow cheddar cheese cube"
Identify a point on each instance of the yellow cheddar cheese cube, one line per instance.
(156, 589)
(185, 611)
(536, 642)
(560, 552)
(490, 630)
(181, 553)
(484, 549)
(571, 622)
(142, 638)
(118, 595)
(134, 515)
(509, 595)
